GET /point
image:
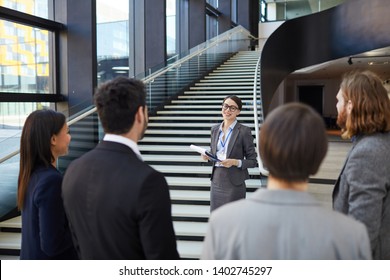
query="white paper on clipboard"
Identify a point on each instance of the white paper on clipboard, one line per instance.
(204, 152)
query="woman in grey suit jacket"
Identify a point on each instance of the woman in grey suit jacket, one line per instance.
(233, 144)
(363, 187)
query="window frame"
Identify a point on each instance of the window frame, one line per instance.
(52, 26)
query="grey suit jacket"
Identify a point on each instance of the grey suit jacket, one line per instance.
(283, 224)
(363, 189)
(240, 147)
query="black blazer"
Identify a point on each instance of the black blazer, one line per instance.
(45, 230)
(118, 206)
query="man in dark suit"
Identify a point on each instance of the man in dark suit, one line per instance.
(118, 206)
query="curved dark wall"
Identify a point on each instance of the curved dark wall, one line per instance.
(354, 27)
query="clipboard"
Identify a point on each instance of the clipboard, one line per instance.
(212, 157)
(203, 151)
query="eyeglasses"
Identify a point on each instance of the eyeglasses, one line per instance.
(231, 108)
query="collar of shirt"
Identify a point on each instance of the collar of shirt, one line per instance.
(231, 126)
(125, 141)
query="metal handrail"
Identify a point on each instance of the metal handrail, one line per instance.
(223, 37)
(10, 155)
(196, 53)
(257, 78)
(70, 122)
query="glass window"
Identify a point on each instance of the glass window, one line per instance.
(13, 116)
(25, 65)
(112, 37)
(211, 27)
(171, 28)
(213, 3)
(37, 8)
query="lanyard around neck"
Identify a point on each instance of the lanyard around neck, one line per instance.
(223, 143)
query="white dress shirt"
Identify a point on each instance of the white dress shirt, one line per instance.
(125, 141)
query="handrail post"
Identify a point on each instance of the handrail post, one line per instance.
(257, 79)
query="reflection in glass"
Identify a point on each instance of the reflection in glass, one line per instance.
(213, 3)
(24, 59)
(171, 28)
(37, 8)
(211, 27)
(112, 19)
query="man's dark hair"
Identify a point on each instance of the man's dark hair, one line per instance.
(117, 102)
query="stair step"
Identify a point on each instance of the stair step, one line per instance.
(180, 132)
(177, 132)
(188, 96)
(190, 228)
(189, 140)
(189, 249)
(15, 222)
(199, 112)
(190, 195)
(188, 118)
(172, 158)
(250, 87)
(230, 75)
(187, 169)
(214, 80)
(207, 125)
(221, 83)
(244, 101)
(224, 93)
(195, 107)
(242, 61)
(10, 240)
(175, 140)
(190, 211)
(248, 67)
(204, 182)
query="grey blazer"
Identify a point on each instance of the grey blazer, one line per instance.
(283, 224)
(363, 189)
(241, 147)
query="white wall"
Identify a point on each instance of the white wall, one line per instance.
(265, 30)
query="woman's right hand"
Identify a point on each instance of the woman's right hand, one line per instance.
(204, 157)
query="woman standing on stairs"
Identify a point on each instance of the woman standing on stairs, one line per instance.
(233, 144)
(45, 231)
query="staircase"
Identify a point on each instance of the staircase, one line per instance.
(187, 120)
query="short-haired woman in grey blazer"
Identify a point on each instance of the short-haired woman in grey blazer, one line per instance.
(233, 144)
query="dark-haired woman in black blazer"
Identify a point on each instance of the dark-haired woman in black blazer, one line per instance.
(45, 230)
